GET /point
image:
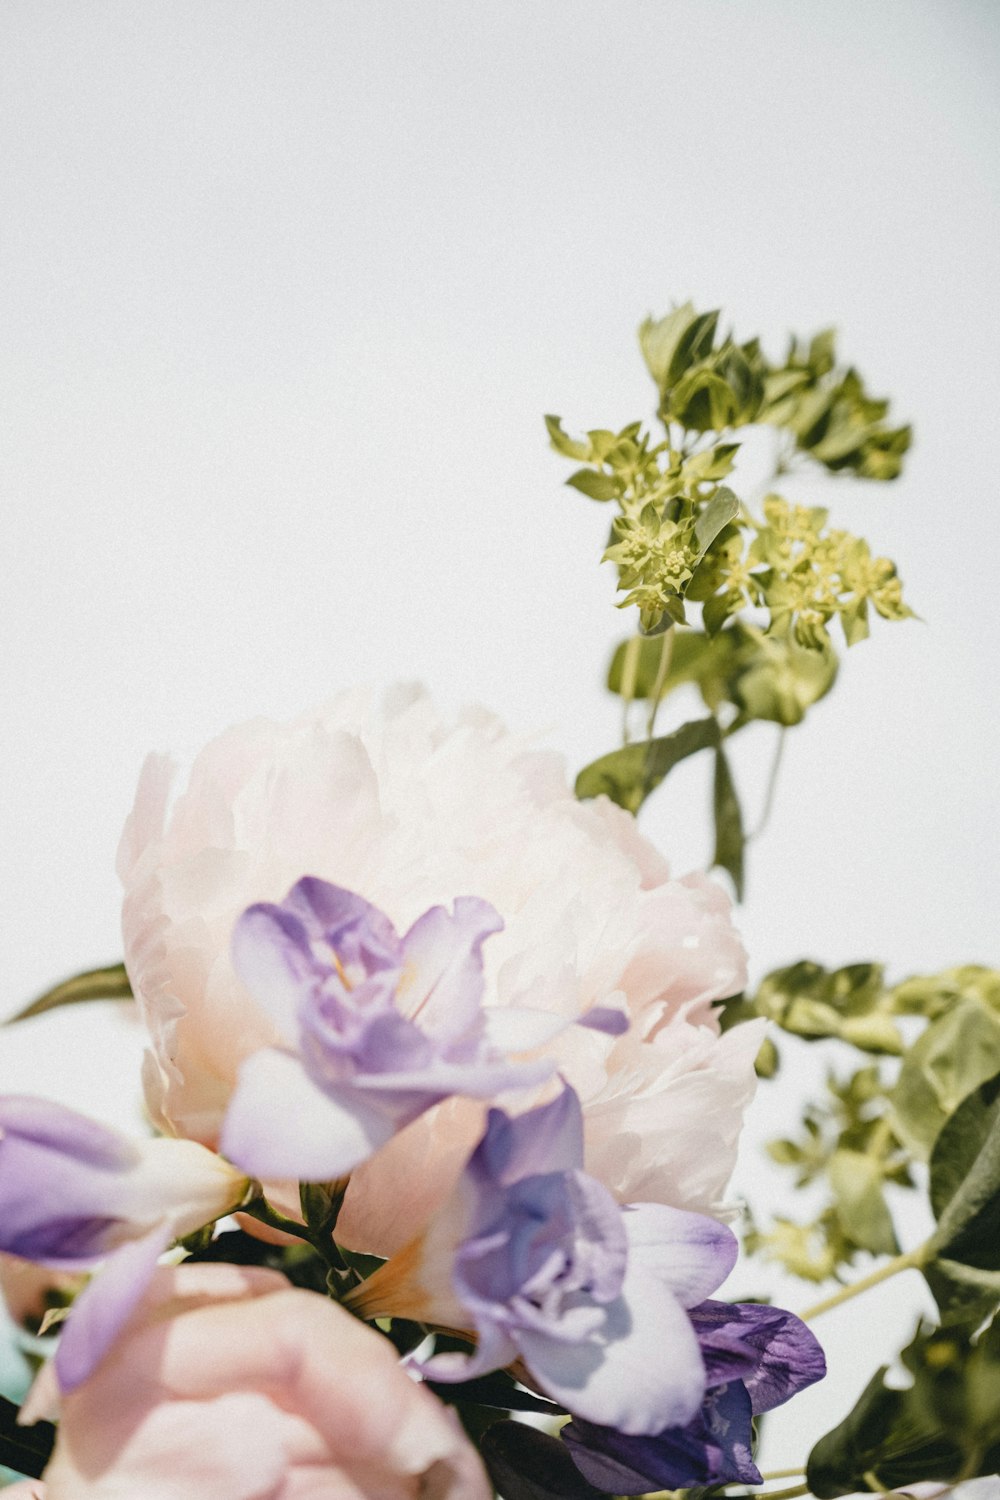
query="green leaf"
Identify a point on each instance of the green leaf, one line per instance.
(594, 484)
(497, 1390)
(729, 836)
(563, 443)
(777, 680)
(965, 1197)
(670, 345)
(111, 983)
(717, 611)
(720, 510)
(24, 1449)
(957, 1052)
(858, 1188)
(932, 994)
(526, 1464)
(702, 401)
(884, 1437)
(692, 657)
(711, 465)
(628, 775)
(944, 1425)
(813, 1002)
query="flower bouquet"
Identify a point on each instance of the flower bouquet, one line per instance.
(446, 1071)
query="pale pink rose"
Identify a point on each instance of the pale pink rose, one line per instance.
(410, 811)
(231, 1384)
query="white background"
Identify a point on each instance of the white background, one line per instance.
(285, 290)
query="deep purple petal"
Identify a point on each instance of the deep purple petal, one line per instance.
(714, 1448)
(770, 1350)
(101, 1311)
(546, 1139)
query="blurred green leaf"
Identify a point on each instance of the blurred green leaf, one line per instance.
(594, 484)
(850, 1003)
(670, 345)
(959, 1050)
(931, 994)
(693, 656)
(777, 680)
(859, 1191)
(628, 775)
(563, 443)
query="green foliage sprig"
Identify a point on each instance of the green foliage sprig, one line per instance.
(737, 602)
(768, 586)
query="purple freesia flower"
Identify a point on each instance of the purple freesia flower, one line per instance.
(548, 1270)
(375, 1028)
(756, 1357)
(75, 1193)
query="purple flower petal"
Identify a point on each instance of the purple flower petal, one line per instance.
(443, 964)
(63, 1183)
(546, 1139)
(591, 1296)
(349, 925)
(101, 1311)
(383, 1029)
(770, 1350)
(507, 1260)
(642, 1373)
(270, 952)
(493, 1351)
(689, 1253)
(281, 1124)
(606, 1018)
(713, 1448)
(51, 1125)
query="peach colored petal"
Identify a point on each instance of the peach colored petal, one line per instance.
(230, 1383)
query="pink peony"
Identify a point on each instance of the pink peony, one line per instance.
(411, 811)
(229, 1383)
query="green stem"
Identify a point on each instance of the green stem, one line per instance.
(787, 1494)
(630, 670)
(912, 1259)
(323, 1243)
(259, 1208)
(663, 667)
(782, 1474)
(772, 784)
